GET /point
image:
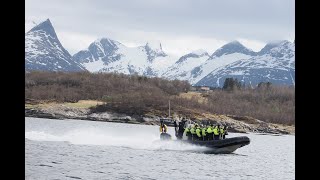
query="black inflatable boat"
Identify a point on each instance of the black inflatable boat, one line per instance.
(227, 145)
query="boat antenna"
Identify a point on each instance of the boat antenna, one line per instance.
(169, 108)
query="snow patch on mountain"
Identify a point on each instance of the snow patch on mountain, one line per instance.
(93, 66)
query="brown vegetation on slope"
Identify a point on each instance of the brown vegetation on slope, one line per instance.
(274, 104)
(138, 95)
(72, 87)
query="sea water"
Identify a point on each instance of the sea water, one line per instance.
(78, 149)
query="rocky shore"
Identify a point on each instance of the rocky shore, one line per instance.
(235, 123)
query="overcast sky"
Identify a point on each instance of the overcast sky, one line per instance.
(180, 25)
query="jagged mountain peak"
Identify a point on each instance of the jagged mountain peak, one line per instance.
(271, 45)
(43, 50)
(233, 47)
(45, 26)
(274, 46)
(105, 43)
(102, 50)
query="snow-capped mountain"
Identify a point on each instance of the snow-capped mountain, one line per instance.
(43, 50)
(100, 52)
(106, 55)
(185, 64)
(223, 56)
(275, 63)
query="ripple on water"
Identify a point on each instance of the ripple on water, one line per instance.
(69, 154)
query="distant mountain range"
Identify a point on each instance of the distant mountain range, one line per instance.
(274, 63)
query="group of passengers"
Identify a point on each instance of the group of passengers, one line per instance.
(205, 132)
(192, 131)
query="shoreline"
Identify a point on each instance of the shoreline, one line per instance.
(235, 124)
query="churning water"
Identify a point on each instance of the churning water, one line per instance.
(76, 149)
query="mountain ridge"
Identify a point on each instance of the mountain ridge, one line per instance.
(45, 52)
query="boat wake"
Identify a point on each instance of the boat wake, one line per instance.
(134, 140)
(178, 146)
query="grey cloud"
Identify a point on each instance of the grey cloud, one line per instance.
(262, 20)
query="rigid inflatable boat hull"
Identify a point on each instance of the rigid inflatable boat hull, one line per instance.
(228, 145)
(224, 150)
(223, 146)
